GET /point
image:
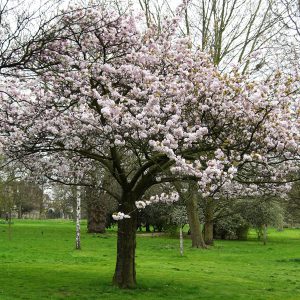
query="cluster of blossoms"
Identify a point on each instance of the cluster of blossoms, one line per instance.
(162, 198)
(120, 216)
(234, 190)
(142, 204)
(165, 198)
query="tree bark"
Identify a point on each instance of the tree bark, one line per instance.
(194, 222)
(208, 232)
(9, 225)
(147, 227)
(96, 219)
(209, 223)
(20, 211)
(78, 216)
(41, 203)
(125, 274)
(181, 240)
(96, 211)
(265, 234)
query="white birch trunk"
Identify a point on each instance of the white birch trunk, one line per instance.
(181, 240)
(78, 215)
(41, 204)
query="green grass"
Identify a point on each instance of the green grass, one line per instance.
(39, 262)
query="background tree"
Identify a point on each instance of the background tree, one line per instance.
(25, 30)
(263, 214)
(99, 204)
(179, 217)
(63, 201)
(288, 53)
(190, 195)
(292, 206)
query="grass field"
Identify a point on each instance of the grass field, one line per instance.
(39, 262)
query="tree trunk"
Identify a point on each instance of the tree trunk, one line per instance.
(194, 222)
(181, 240)
(41, 203)
(78, 215)
(96, 211)
(41, 209)
(265, 234)
(125, 275)
(96, 219)
(209, 223)
(208, 232)
(147, 227)
(74, 208)
(9, 225)
(20, 211)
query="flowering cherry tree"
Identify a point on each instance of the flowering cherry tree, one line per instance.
(149, 109)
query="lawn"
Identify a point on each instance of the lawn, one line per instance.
(39, 262)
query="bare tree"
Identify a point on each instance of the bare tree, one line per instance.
(24, 31)
(288, 43)
(231, 31)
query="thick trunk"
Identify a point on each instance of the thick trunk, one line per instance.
(208, 232)
(96, 215)
(209, 223)
(125, 276)
(96, 220)
(194, 222)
